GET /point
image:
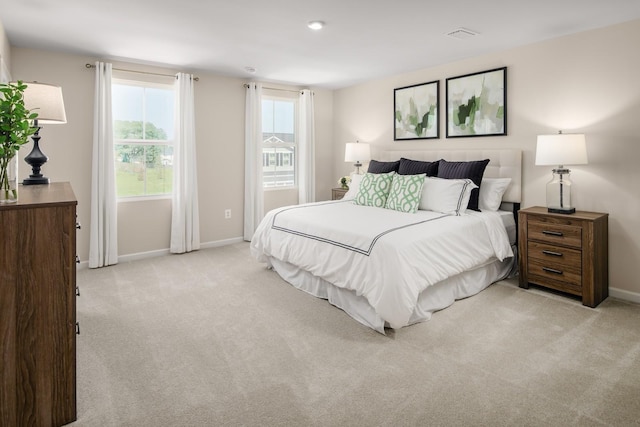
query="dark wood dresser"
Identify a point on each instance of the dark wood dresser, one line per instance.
(568, 253)
(38, 307)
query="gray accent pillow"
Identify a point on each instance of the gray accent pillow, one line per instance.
(416, 167)
(383, 167)
(473, 170)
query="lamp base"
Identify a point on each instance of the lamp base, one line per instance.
(565, 211)
(36, 158)
(35, 180)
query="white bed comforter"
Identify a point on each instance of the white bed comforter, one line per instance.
(388, 257)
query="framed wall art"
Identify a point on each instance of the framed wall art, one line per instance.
(415, 110)
(477, 104)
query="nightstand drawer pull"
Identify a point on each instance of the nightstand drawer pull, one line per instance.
(552, 253)
(552, 233)
(552, 270)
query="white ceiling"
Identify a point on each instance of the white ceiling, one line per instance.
(362, 40)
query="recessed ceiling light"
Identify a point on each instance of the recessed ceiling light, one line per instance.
(315, 25)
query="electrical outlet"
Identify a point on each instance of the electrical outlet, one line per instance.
(227, 213)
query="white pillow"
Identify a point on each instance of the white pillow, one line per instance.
(491, 192)
(449, 196)
(354, 186)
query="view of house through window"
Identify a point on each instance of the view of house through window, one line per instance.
(143, 138)
(279, 140)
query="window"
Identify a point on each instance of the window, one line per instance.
(143, 138)
(279, 141)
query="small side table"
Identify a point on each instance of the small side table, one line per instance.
(338, 193)
(568, 253)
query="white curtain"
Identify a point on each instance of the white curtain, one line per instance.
(306, 150)
(253, 191)
(185, 220)
(103, 235)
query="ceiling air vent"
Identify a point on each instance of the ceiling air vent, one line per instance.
(462, 34)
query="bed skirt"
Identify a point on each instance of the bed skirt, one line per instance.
(432, 299)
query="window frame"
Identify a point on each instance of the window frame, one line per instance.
(271, 95)
(143, 142)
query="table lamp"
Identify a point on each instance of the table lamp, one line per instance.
(46, 100)
(357, 152)
(560, 149)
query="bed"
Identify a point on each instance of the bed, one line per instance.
(387, 268)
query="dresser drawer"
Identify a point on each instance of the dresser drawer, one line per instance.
(557, 255)
(560, 234)
(562, 277)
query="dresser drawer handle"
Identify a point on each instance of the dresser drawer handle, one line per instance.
(551, 253)
(77, 259)
(552, 270)
(552, 233)
(77, 328)
(77, 291)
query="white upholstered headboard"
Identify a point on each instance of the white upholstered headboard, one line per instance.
(504, 163)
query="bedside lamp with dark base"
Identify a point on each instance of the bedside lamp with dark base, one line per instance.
(46, 100)
(36, 159)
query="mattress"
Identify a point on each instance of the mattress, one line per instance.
(510, 225)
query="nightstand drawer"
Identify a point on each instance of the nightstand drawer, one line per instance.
(562, 277)
(568, 235)
(557, 255)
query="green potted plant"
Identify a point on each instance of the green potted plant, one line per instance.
(15, 129)
(344, 182)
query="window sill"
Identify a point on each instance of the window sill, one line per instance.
(144, 198)
(280, 189)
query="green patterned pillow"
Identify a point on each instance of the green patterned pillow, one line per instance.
(405, 194)
(374, 189)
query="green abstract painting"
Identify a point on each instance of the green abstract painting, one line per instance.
(416, 111)
(477, 104)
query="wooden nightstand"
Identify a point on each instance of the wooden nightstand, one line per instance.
(568, 253)
(338, 193)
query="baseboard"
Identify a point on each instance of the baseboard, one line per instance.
(218, 243)
(162, 252)
(625, 295)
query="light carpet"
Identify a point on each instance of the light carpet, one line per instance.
(213, 338)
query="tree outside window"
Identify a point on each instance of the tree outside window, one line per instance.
(143, 138)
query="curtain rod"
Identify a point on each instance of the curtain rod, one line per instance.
(140, 72)
(276, 88)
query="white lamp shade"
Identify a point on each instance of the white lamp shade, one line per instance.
(561, 149)
(46, 100)
(357, 152)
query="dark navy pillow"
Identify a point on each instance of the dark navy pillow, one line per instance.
(473, 170)
(416, 167)
(383, 167)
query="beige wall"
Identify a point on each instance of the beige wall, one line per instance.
(5, 48)
(581, 83)
(219, 106)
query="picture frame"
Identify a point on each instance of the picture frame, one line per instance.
(477, 104)
(416, 111)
